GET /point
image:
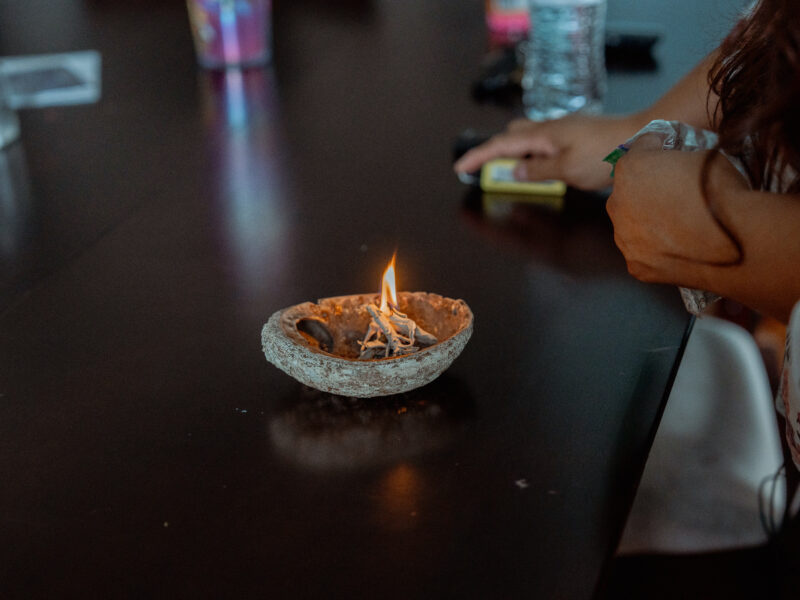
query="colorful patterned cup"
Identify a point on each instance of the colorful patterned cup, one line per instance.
(231, 33)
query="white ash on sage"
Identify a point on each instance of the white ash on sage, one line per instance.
(392, 333)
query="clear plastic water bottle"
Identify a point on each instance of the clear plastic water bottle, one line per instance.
(564, 58)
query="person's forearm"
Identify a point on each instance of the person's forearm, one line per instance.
(668, 233)
(687, 101)
(767, 225)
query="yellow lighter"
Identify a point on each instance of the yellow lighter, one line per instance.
(497, 176)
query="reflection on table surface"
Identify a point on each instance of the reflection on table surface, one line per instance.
(326, 431)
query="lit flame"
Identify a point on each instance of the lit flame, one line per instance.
(388, 289)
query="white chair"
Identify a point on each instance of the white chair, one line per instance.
(717, 443)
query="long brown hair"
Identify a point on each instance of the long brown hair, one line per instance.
(757, 79)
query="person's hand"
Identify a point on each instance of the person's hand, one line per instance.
(570, 149)
(662, 223)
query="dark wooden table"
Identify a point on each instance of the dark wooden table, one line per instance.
(147, 448)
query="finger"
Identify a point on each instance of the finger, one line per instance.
(505, 145)
(641, 271)
(520, 125)
(611, 207)
(538, 168)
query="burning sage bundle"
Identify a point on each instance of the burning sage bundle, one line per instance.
(390, 332)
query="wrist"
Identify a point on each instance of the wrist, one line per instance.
(638, 120)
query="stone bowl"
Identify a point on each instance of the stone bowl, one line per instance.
(317, 344)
